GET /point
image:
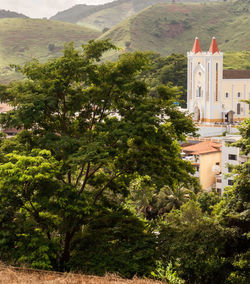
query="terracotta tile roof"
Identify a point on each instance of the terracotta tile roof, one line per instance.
(196, 46)
(202, 148)
(5, 108)
(236, 74)
(213, 46)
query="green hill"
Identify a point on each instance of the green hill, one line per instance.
(109, 14)
(24, 39)
(169, 28)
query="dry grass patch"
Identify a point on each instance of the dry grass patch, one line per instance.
(28, 276)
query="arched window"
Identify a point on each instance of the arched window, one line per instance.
(238, 108)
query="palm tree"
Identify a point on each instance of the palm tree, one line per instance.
(173, 197)
(141, 194)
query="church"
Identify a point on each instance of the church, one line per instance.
(214, 95)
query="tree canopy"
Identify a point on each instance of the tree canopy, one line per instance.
(87, 129)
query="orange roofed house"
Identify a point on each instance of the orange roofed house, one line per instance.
(206, 158)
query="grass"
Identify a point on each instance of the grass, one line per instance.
(25, 276)
(24, 39)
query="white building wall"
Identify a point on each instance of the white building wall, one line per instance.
(230, 155)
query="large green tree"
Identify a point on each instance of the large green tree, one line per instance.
(170, 69)
(99, 127)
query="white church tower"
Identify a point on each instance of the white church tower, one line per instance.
(204, 87)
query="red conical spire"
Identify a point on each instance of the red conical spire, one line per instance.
(213, 46)
(196, 47)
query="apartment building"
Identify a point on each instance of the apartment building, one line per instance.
(230, 156)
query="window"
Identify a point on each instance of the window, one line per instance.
(219, 191)
(238, 108)
(232, 157)
(238, 94)
(199, 91)
(227, 95)
(191, 81)
(208, 82)
(230, 182)
(230, 170)
(217, 164)
(216, 94)
(218, 180)
(197, 168)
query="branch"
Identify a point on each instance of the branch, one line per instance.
(102, 189)
(69, 176)
(80, 175)
(95, 170)
(85, 179)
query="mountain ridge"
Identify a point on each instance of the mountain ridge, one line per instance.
(101, 16)
(11, 14)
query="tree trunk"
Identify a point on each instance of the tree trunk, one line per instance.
(66, 251)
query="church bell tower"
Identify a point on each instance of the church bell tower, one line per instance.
(204, 86)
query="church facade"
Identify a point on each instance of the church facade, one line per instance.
(215, 95)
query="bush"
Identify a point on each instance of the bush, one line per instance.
(51, 47)
(116, 242)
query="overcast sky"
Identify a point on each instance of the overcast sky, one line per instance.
(44, 8)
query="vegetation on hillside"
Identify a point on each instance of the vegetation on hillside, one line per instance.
(94, 181)
(24, 39)
(106, 15)
(163, 28)
(171, 28)
(237, 60)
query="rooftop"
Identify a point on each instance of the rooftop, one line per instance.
(202, 148)
(236, 74)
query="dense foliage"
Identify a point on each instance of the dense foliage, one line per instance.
(88, 128)
(94, 180)
(170, 69)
